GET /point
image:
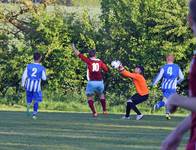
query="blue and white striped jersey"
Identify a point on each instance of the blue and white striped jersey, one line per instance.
(170, 74)
(32, 76)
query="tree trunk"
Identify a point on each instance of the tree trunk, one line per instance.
(68, 2)
(4, 1)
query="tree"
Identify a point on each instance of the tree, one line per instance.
(68, 2)
(142, 34)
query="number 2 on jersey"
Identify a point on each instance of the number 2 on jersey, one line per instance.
(169, 71)
(34, 70)
(95, 67)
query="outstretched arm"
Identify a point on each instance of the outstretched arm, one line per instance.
(158, 78)
(176, 100)
(128, 74)
(172, 141)
(117, 65)
(76, 52)
(80, 55)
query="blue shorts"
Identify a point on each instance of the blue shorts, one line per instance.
(36, 96)
(168, 92)
(94, 87)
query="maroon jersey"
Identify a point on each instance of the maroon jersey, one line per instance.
(94, 68)
(192, 93)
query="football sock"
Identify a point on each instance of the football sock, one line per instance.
(28, 109)
(28, 106)
(160, 104)
(103, 103)
(91, 105)
(128, 109)
(133, 106)
(167, 110)
(35, 108)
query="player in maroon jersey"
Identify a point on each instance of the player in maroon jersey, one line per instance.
(189, 123)
(95, 80)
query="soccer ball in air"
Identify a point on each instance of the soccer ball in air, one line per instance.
(115, 64)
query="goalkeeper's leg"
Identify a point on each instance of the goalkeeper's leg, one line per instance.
(134, 100)
(131, 105)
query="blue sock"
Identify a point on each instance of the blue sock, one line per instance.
(28, 106)
(160, 104)
(35, 108)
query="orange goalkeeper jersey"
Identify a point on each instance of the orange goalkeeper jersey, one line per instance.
(138, 80)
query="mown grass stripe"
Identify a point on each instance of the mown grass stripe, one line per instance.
(79, 131)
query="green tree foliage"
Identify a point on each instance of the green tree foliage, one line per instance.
(133, 31)
(12, 56)
(144, 31)
(51, 33)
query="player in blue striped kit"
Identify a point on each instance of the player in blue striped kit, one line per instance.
(31, 81)
(171, 75)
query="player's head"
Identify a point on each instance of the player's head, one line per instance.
(37, 57)
(170, 58)
(139, 69)
(91, 53)
(192, 15)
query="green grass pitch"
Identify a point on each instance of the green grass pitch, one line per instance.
(79, 131)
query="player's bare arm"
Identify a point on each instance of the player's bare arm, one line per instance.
(76, 52)
(104, 67)
(176, 100)
(173, 139)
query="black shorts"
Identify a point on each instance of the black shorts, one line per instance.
(136, 98)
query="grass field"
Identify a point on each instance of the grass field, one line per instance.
(79, 131)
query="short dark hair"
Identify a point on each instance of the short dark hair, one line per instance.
(37, 56)
(141, 68)
(92, 53)
(192, 7)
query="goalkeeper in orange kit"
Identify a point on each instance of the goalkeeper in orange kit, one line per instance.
(142, 91)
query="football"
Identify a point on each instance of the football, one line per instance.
(115, 64)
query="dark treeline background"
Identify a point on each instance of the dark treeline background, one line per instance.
(135, 32)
